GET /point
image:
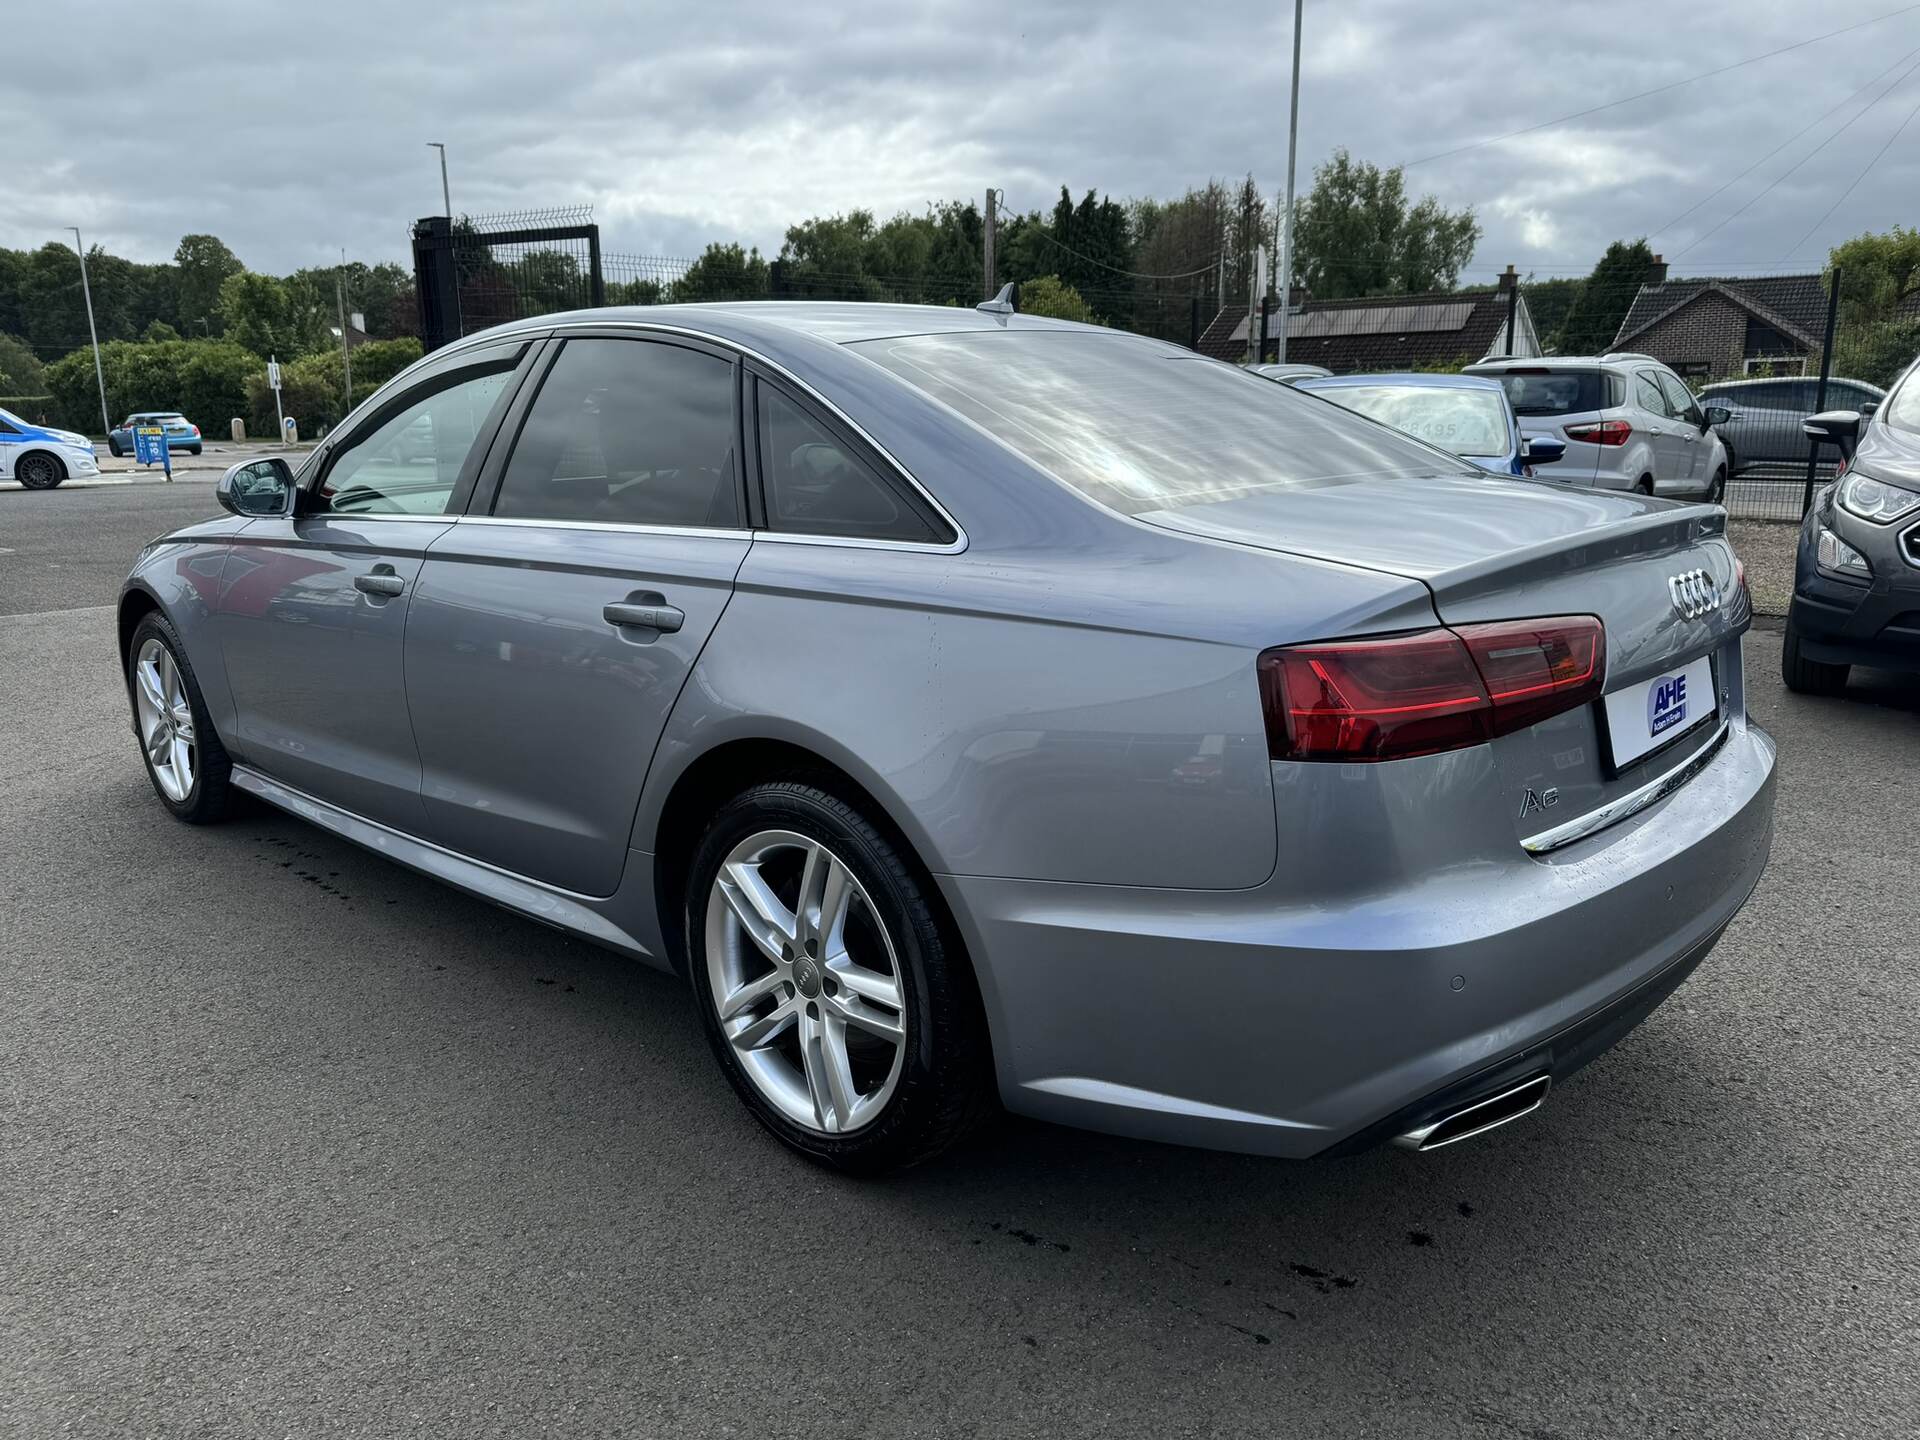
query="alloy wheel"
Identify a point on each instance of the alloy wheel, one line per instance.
(806, 982)
(166, 720)
(39, 472)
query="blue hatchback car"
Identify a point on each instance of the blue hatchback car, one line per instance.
(181, 433)
(1465, 414)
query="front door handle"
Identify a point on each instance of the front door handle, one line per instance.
(631, 614)
(380, 581)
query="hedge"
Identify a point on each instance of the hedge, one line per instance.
(205, 380)
(28, 407)
(310, 386)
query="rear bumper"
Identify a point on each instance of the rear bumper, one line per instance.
(1279, 1024)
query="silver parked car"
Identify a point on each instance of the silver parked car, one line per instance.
(1629, 422)
(1763, 426)
(979, 708)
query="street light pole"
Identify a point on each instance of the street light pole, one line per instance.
(1286, 219)
(106, 425)
(446, 196)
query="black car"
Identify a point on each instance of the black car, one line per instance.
(1856, 582)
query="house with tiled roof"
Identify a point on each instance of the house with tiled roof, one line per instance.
(1383, 332)
(1714, 326)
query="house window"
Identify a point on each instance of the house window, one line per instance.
(1692, 369)
(1776, 365)
(1764, 340)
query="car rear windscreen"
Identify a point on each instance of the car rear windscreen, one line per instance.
(1138, 426)
(1554, 392)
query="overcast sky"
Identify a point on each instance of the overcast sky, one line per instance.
(291, 131)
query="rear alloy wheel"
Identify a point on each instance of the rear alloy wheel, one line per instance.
(1808, 677)
(831, 996)
(113, 447)
(39, 471)
(185, 759)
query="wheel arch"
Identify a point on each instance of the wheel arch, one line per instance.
(136, 603)
(29, 451)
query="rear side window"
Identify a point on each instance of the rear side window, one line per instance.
(631, 432)
(1137, 426)
(816, 484)
(1555, 392)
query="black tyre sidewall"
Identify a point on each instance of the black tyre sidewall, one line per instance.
(940, 1092)
(208, 799)
(1808, 677)
(36, 461)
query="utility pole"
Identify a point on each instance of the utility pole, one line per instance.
(1256, 303)
(99, 375)
(991, 275)
(1286, 218)
(446, 196)
(346, 350)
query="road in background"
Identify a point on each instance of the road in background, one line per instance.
(296, 1142)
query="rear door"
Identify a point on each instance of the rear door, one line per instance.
(555, 623)
(1672, 456)
(1692, 426)
(313, 608)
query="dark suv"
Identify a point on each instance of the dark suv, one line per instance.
(1856, 584)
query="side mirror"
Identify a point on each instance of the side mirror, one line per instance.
(1839, 428)
(257, 487)
(1542, 451)
(1717, 415)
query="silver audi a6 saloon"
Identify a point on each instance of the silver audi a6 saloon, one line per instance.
(982, 710)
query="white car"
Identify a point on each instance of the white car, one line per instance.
(1629, 422)
(40, 458)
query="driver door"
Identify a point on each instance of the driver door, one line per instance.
(314, 604)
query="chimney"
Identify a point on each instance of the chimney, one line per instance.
(1509, 279)
(1657, 272)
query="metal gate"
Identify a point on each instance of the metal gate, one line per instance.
(475, 272)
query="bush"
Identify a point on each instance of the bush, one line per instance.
(205, 380)
(21, 372)
(28, 407)
(310, 387)
(1047, 295)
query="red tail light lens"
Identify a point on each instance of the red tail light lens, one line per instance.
(1435, 690)
(1602, 432)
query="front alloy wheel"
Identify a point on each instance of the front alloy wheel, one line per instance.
(805, 981)
(185, 759)
(39, 471)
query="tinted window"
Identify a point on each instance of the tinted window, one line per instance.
(1467, 422)
(815, 485)
(1138, 426)
(409, 463)
(1555, 392)
(1646, 393)
(628, 432)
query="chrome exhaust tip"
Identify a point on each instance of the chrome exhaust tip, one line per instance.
(1479, 1117)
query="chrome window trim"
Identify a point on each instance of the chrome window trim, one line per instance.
(1632, 803)
(703, 532)
(953, 547)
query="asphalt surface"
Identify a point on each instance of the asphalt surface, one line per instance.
(294, 1142)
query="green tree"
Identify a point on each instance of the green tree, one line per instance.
(723, 272)
(1878, 273)
(1549, 302)
(206, 380)
(202, 265)
(1355, 233)
(158, 331)
(1048, 295)
(273, 317)
(21, 372)
(1605, 297)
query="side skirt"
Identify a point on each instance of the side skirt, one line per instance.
(576, 914)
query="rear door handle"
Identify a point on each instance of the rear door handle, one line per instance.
(630, 614)
(381, 581)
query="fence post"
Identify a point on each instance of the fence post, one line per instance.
(1193, 325)
(596, 282)
(436, 283)
(1820, 398)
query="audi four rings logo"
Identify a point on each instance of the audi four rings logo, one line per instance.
(1694, 593)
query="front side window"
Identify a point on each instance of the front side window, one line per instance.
(1467, 422)
(1679, 399)
(631, 432)
(410, 463)
(1139, 427)
(817, 485)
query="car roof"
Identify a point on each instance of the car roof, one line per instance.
(1776, 379)
(841, 322)
(1412, 379)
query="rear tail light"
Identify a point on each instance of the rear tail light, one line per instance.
(1601, 432)
(1433, 690)
(194, 428)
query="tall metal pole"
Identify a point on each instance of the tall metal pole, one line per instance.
(1820, 398)
(991, 234)
(99, 375)
(346, 353)
(1286, 219)
(446, 196)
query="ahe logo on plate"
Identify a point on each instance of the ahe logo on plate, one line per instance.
(1666, 703)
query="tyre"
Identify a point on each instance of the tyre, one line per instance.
(1644, 485)
(1808, 677)
(1717, 491)
(38, 470)
(193, 449)
(113, 447)
(837, 1004)
(185, 759)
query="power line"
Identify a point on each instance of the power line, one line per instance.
(1858, 178)
(1768, 188)
(1135, 274)
(1708, 200)
(1656, 90)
